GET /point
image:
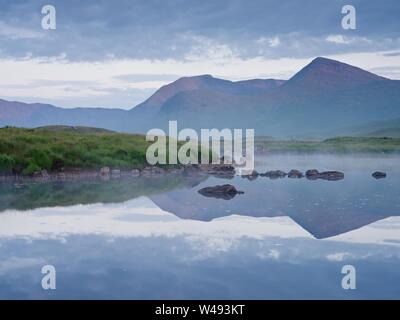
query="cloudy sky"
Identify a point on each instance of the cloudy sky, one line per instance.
(117, 53)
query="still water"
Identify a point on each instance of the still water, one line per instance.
(158, 238)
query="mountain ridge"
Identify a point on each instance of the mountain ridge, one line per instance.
(325, 94)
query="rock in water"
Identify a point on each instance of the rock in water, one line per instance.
(295, 174)
(379, 175)
(331, 175)
(312, 174)
(226, 192)
(251, 176)
(220, 171)
(274, 174)
(326, 175)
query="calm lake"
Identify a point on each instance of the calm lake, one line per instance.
(158, 238)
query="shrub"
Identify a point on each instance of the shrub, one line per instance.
(41, 158)
(7, 163)
(31, 168)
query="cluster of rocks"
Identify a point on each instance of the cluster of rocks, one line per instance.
(149, 171)
(296, 174)
(311, 174)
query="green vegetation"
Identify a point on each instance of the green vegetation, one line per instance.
(25, 151)
(333, 145)
(29, 150)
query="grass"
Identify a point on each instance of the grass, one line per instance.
(25, 151)
(333, 145)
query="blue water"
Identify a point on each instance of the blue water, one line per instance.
(281, 239)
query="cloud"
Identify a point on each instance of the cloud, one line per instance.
(341, 39)
(392, 54)
(338, 39)
(191, 30)
(272, 42)
(136, 77)
(17, 33)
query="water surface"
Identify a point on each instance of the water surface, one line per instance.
(160, 239)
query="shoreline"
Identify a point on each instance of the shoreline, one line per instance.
(106, 173)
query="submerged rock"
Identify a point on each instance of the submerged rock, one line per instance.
(276, 174)
(226, 192)
(379, 175)
(295, 174)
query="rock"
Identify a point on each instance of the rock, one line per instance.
(226, 192)
(41, 175)
(276, 174)
(105, 171)
(251, 176)
(326, 175)
(331, 175)
(221, 171)
(152, 171)
(379, 175)
(312, 174)
(135, 173)
(295, 174)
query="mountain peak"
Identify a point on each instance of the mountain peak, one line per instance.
(323, 72)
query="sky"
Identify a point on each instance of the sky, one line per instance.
(117, 53)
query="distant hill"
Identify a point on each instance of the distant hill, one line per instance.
(324, 96)
(389, 132)
(74, 129)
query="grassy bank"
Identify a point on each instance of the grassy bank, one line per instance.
(25, 151)
(334, 145)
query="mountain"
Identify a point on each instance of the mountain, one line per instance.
(323, 96)
(32, 115)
